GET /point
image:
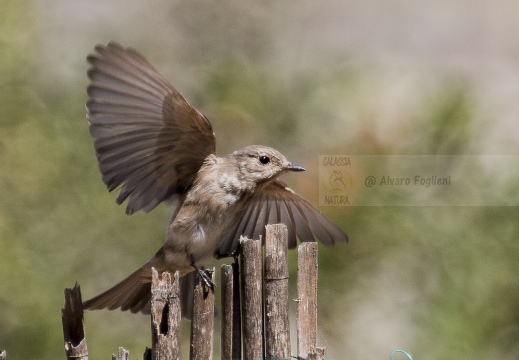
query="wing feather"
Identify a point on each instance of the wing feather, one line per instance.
(148, 139)
(276, 203)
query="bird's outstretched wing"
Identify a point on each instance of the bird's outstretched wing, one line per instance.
(276, 203)
(148, 139)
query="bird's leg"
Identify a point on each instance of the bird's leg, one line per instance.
(234, 254)
(204, 276)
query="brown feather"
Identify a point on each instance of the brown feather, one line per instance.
(144, 130)
(300, 217)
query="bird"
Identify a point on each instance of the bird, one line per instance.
(154, 147)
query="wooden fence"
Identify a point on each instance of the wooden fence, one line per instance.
(254, 302)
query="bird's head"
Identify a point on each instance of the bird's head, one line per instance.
(261, 164)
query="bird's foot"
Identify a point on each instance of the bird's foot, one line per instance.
(205, 275)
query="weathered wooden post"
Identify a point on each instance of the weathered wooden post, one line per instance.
(276, 293)
(231, 315)
(122, 354)
(307, 303)
(73, 325)
(202, 324)
(252, 313)
(255, 308)
(227, 310)
(165, 316)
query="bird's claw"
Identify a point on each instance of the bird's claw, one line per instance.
(205, 275)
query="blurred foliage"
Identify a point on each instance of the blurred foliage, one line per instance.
(439, 281)
(448, 125)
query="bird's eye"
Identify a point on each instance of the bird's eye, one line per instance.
(264, 160)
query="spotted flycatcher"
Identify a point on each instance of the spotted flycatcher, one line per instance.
(156, 147)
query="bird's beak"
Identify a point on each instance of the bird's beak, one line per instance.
(293, 167)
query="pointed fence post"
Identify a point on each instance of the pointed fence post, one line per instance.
(261, 306)
(231, 316)
(317, 354)
(122, 354)
(277, 326)
(252, 312)
(227, 311)
(202, 324)
(73, 325)
(165, 316)
(307, 300)
(147, 354)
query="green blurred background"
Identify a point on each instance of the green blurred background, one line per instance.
(308, 78)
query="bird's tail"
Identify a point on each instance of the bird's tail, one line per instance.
(134, 294)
